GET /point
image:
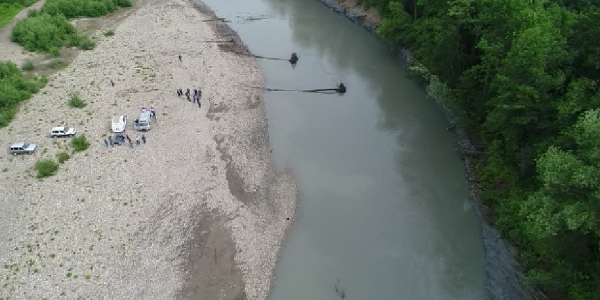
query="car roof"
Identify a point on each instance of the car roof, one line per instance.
(59, 128)
(19, 144)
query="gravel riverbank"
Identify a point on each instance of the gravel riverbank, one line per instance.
(199, 212)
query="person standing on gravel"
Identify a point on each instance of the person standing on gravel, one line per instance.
(143, 138)
(180, 59)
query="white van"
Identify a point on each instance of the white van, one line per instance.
(143, 123)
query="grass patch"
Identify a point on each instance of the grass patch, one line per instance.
(76, 102)
(63, 157)
(109, 33)
(10, 8)
(45, 168)
(15, 88)
(80, 143)
(5, 170)
(28, 66)
(56, 63)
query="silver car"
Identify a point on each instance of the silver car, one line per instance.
(22, 148)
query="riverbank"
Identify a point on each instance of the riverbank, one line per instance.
(504, 277)
(199, 211)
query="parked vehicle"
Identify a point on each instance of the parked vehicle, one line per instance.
(119, 138)
(143, 123)
(63, 131)
(22, 148)
(118, 123)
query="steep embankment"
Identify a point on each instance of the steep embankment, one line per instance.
(197, 212)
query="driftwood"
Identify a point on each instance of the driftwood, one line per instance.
(217, 41)
(217, 20)
(293, 59)
(341, 89)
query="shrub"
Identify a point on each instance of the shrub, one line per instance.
(62, 157)
(76, 101)
(48, 33)
(109, 33)
(85, 43)
(80, 143)
(45, 168)
(56, 63)
(78, 8)
(42, 32)
(54, 51)
(14, 88)
(28, 66)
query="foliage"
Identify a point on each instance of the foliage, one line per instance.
(56, 63)
(76, 102)
(80, 143)
(45, 33)
(45, 168)
(28, 66)
(10, 8)
(523, 77)
(15, 88)
(78, 8)
(63, 157)
(109, 33)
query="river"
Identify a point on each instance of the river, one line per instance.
(383, 209)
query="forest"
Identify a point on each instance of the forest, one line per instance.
(522, 78)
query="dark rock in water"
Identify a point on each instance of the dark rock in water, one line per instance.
(341, 88)
(294, 58)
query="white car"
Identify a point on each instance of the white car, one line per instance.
(62, 131)
(118, 123)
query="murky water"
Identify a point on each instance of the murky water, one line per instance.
(383, 211)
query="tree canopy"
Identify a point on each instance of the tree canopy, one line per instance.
(523, 76)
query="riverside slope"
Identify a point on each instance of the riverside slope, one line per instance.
(504, 275)
(199, 212)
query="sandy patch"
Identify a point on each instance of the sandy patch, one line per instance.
(198, 212)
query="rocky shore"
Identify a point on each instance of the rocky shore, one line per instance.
(198, 212)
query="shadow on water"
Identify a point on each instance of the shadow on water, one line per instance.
(384, 212)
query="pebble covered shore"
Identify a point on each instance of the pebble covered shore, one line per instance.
(198, 212)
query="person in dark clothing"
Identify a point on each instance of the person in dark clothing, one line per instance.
(180, 58)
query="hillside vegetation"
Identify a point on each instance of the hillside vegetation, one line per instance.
(10, 8)
(49, 30)
(522, 76)
(15, 88)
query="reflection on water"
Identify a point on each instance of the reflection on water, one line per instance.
(383, 199)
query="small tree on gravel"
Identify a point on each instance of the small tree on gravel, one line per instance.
(80, 143)
(45, 168)
(75, 101)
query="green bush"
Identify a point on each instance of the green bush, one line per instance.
(76, 102)
(28, 66)
(80, 143)
(109, 33)
(48, 34)
(62, 157)
(46, 168)
(14, 88)
(10, 8)
(85, 43)
(78, 8)
(43, 32)
(56, 63)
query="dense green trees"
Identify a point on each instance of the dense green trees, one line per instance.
(14, 88)
(523, 76)
(49, 30)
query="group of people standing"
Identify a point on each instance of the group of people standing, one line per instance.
(191, 97)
